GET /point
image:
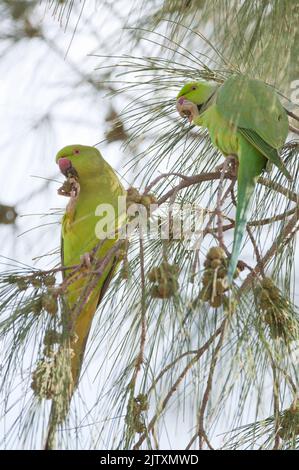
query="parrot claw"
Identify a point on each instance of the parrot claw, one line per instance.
(75, 188)
(230, 165)
(187, 109)
(74, 195)
(86, 260)
(70, 188)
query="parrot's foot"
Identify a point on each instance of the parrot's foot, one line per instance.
(230, 165)
(69, 188)
(86, 260)
(187, 109)
(74, 195)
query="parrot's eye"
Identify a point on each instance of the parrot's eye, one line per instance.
(193, 88)
(76, 151)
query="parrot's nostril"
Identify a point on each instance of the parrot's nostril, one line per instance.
(64, 165)
(181, 100)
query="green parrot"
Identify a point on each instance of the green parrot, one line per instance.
(93, 183)
(245, 120)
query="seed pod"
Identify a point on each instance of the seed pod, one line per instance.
(164, 291)
(36, 306)
(208, 274)
(221, 286)
(49, 280)
(146, 201)
(42, 380)
(22, 284)
(275, 294)
(216, 301)
(289, 424)
(49, 303)
(205, 294)
(133, 196)
(36, 282)
(154, 275)
(216, 253)
(221, 273)
(52, 337)
(143, 401)
(267, 283)
(139, 427)
(216, 263)
(264, 300)
(154, 292)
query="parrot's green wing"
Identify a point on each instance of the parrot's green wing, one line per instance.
(107, 280)
(252, 104)
(254, 108)
(269, 152)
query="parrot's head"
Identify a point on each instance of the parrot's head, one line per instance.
(79, 161)
(192, 97)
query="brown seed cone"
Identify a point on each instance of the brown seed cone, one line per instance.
(216, 301)
(207, 263)
(216, 263)
(49, 303)
(205, 294)
(216, 253)
(49, 280)
(221, 286)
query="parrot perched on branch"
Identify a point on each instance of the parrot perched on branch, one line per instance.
(247, 122)
(91, 182)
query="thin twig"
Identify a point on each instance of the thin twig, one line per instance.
(208, 389)
(294, 116)
(140, 356)
(286, 234)
(203, 177)
(294, 129)
(176, 384)
(256, 250)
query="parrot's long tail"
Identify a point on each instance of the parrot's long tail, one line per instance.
(251, 164)
(61, 404)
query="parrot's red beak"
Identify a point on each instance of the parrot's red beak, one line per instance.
(186, 108)
(64, 165)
